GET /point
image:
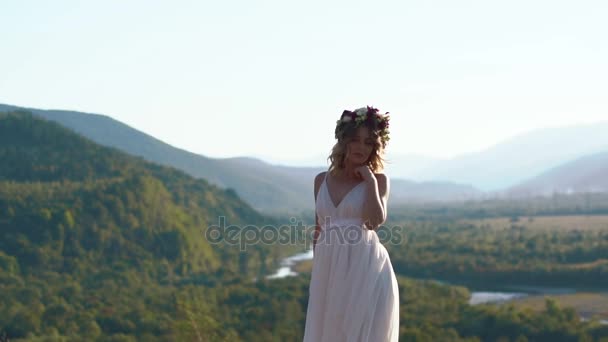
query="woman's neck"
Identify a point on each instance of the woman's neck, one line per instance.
(348, 172)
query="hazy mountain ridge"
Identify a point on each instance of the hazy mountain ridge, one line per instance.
(585, 174)
(520, 157)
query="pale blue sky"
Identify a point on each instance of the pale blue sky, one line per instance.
(270, 78)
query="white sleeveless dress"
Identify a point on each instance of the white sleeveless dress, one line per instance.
(353, 293)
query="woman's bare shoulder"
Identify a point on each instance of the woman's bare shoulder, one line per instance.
(318, 180)
(383, 183)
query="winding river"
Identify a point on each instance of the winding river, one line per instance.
(477, 297)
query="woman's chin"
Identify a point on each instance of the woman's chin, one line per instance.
(356, 160)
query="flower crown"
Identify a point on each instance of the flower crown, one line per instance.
(368, 115)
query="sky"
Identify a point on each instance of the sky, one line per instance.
(270, 78)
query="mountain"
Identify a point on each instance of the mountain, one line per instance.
(266, 187)
(585, 174)
(270, 188)
(99, 245)
(72, 203)
(520, 157)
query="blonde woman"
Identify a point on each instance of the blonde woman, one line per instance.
(353, 294)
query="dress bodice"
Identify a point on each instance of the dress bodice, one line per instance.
(347, 212)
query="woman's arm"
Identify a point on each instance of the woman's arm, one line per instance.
(318, 180)
(376, 198)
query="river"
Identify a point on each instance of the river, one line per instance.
(477, 297)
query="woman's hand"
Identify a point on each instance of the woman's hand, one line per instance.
(365, 173)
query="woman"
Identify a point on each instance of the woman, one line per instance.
(353, 290)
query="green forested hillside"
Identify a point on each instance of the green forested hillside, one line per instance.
(63, 195)
(73, 213)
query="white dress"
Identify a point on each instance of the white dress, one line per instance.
(353, 293)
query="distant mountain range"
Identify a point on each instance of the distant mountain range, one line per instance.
(512, 166)
(585, 174)
(518, 158)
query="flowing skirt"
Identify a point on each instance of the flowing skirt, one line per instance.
(353, 294)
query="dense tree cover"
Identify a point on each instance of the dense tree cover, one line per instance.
(96, 245)
(481, 254)
(120, 306)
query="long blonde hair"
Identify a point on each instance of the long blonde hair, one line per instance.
(338, 152)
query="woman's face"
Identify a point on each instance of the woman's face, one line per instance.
(360, 147)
